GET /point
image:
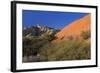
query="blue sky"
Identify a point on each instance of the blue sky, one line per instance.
(56, 20)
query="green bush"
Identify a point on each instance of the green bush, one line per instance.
(32, 44)
(47, 36)
(85, 34)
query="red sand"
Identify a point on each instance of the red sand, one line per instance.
(75, 28)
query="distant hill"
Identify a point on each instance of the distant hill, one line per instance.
(75, 28)
(38, 30)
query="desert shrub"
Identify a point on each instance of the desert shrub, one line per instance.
(85, 34)
(66, 50)
(48, 37)
(84, 51)
(32, 44)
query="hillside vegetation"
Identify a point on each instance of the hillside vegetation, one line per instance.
(68, 49)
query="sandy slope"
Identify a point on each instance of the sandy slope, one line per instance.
(75, 28)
